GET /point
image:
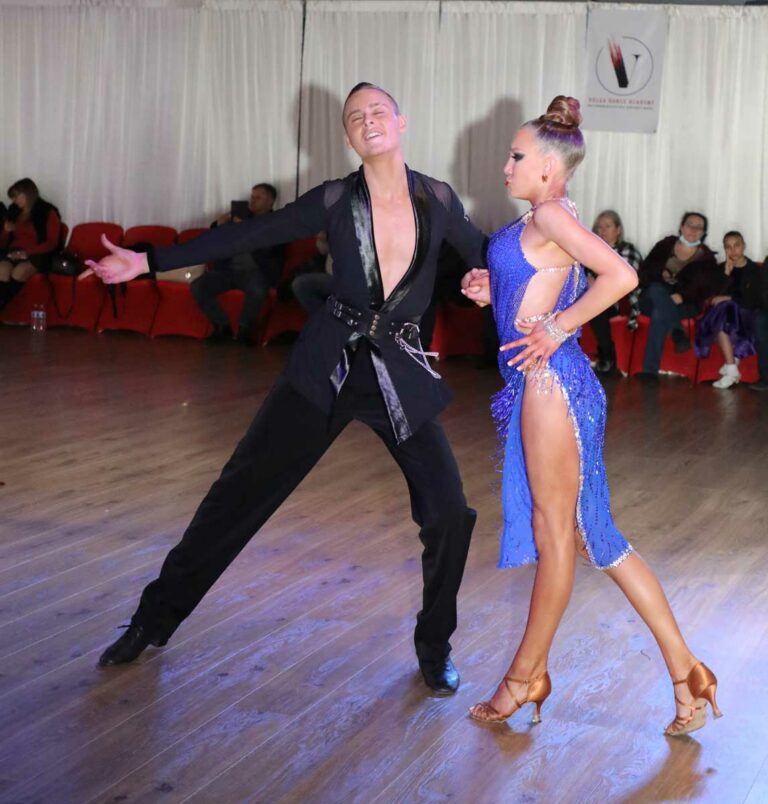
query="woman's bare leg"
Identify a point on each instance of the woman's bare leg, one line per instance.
(643, 590)
(22, 271)
(726, 346)
(552, 463)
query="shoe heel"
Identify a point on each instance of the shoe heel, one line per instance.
(703, 684)
(537, 712)
(709, 695)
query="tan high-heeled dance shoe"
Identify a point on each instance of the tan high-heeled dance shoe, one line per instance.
(702, 684)
(539, 688)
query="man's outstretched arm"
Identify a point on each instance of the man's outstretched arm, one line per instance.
(304, 217)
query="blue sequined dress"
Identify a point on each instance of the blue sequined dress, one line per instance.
(584, 396)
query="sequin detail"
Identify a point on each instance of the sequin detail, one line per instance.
(584, 397)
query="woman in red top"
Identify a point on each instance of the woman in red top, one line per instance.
(30, 234)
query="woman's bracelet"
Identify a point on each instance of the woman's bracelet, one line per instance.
(557, 334)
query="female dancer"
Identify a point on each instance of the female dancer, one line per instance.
(552, 415)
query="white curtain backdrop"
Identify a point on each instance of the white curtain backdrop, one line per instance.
(146, 112)
(149, 115)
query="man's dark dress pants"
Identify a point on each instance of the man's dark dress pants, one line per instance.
(286, 439)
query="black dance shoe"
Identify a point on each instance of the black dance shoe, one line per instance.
(440, 676)
(129, 646)
(647, 377)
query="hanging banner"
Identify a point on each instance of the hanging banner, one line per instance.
(625, 54)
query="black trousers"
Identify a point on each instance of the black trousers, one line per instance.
(285, 440)
(207, 288)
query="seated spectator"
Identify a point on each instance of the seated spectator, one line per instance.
(253, 273)
(609, 227)
(726, 319)
(30, 235)
(312, 282)
(677, 277)
(754, 293)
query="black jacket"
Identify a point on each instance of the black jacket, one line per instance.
(342, 208)
(696, 282)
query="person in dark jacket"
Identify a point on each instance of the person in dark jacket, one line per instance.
(727, 320)
(358, 357)
(678, 276)
(30, 235)
(252, 272)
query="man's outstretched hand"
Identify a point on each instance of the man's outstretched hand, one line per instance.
(476, 286)
(120, 265)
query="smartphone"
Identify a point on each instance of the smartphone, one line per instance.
(239, 209)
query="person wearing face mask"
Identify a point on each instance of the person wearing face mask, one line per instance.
(677, 277)
(609, 227)
(728, 319)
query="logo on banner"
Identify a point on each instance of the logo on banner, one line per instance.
(624, 66)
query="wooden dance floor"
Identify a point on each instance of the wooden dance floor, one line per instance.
(295, 680)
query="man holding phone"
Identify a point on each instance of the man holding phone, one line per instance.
(252, 272)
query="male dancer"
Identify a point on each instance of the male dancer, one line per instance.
(358, 357)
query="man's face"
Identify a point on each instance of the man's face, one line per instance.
(734, 248)
(260, 201)
(371, 124)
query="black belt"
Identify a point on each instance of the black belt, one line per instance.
(375, 325)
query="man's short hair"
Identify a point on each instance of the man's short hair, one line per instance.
(367, 85)
(270, 188)
(733, 233)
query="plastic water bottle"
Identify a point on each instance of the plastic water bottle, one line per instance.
(39, 318)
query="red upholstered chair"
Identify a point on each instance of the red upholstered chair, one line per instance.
(623, 341)
(177, 312)
(35, 293)
(136, 303)
(85, 240)
(709, 367)
(684, 363)
(156, 235)
(190, 234)
(588, 342)
(287, 316)
(232, 303)
(75, 302)
(458, 331)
